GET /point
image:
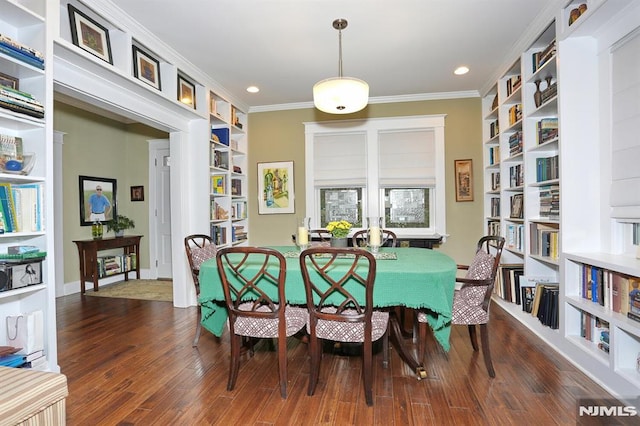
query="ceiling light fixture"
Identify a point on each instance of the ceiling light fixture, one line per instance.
(340, 95)
(462, 70)
(253, 89)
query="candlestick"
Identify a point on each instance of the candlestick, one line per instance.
(303, 235)
(374, 236)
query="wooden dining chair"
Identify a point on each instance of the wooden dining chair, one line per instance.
(199, 247)
(255, 300)
(359, 238)
(472, 298)
(333, 277)
(319, 237)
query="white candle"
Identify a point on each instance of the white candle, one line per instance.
(303, 236)
(374, 236)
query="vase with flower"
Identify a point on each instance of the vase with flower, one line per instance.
(339, 231)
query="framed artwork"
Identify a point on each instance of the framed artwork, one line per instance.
(146, 68)
(137, 193)
(186, 92)
(275, 188)
(464, 180)
(89, 35)
(8, 81)
(98, 199)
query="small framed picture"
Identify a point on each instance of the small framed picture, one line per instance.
(137, 193)
(8, 81)
(146, 68)
(186, 92)
(89, 35)
(517, 202)
(464, 180)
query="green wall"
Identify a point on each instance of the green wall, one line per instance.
(279, 136)
(101, 147)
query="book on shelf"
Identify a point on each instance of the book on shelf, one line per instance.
(634, 298)
(513, 83)
(527, 296)
(547, 129)
(516, 176)
(515, 143)
(8, 208)
(494, 128)
(493, 227)
(12, 360)
(508, 282)
(546, 304)
(514, 236)
(544, 239)
(495, 206)
(495, 181)
(21, 48)
(547, 168)
(218, 234)
(494, 155)
(550, 201)
(515, 113)
(542, 57)
(236, 186)
(217, 212)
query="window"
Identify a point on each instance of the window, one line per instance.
(388, 167)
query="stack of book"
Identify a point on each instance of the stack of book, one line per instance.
(515, 143)
(542, 57)
(21, 52)
(550, 202)
(22, 102)
(238, 233)
(513, 84)
(547, 129)
(515, 114)
(11, 357)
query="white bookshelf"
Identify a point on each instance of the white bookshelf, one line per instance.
(587, 234)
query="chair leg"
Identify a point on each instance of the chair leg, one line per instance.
(385, 349)
(314, 355)
(472, 336)
(367, 371)
(282, 366)
(422, 339)
(235, 359)
(198, 329)
(486, 352)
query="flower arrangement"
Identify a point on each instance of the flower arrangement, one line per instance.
(339, 229)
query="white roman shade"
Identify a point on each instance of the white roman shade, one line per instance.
(407, 158)
(340, 160)
(625, 145)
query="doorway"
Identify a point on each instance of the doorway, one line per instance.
(160, 208)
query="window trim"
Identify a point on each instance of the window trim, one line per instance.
(372, 127)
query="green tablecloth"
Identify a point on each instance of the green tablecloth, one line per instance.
(419, 278)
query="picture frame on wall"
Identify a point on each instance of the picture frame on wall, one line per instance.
(186, 92)
(89, 35)
(146, 68)
(464, 180)
(10, 82)
(275, 188)
(98, 199)
(137, 193)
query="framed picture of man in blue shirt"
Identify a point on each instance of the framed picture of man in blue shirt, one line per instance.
(97, 199)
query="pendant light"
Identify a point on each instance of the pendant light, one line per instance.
(340, 95)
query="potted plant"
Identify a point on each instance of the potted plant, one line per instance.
(119, 223)
(339, 231)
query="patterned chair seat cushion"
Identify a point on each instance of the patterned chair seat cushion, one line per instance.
(339, 331)
(268, 327)
(200, 254)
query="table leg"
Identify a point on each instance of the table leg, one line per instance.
(398, 342)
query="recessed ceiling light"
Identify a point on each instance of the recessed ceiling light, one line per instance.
(461, 70)
(253, 89)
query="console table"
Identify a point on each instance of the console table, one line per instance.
(88, 253)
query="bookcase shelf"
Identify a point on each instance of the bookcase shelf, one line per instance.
(24, 23)
(228, 167)
(566, 123)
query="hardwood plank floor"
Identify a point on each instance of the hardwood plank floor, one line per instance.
(130, 362)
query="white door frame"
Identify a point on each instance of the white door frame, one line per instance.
(154, 146)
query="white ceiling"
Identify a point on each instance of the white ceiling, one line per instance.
(400, 47)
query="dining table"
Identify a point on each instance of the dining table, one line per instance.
(409, 277)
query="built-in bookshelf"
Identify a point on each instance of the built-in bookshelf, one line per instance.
(26, 174)
(228, 168)
(551, 199)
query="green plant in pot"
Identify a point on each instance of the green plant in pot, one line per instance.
(119, 223)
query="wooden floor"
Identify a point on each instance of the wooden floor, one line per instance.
(130, 362)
